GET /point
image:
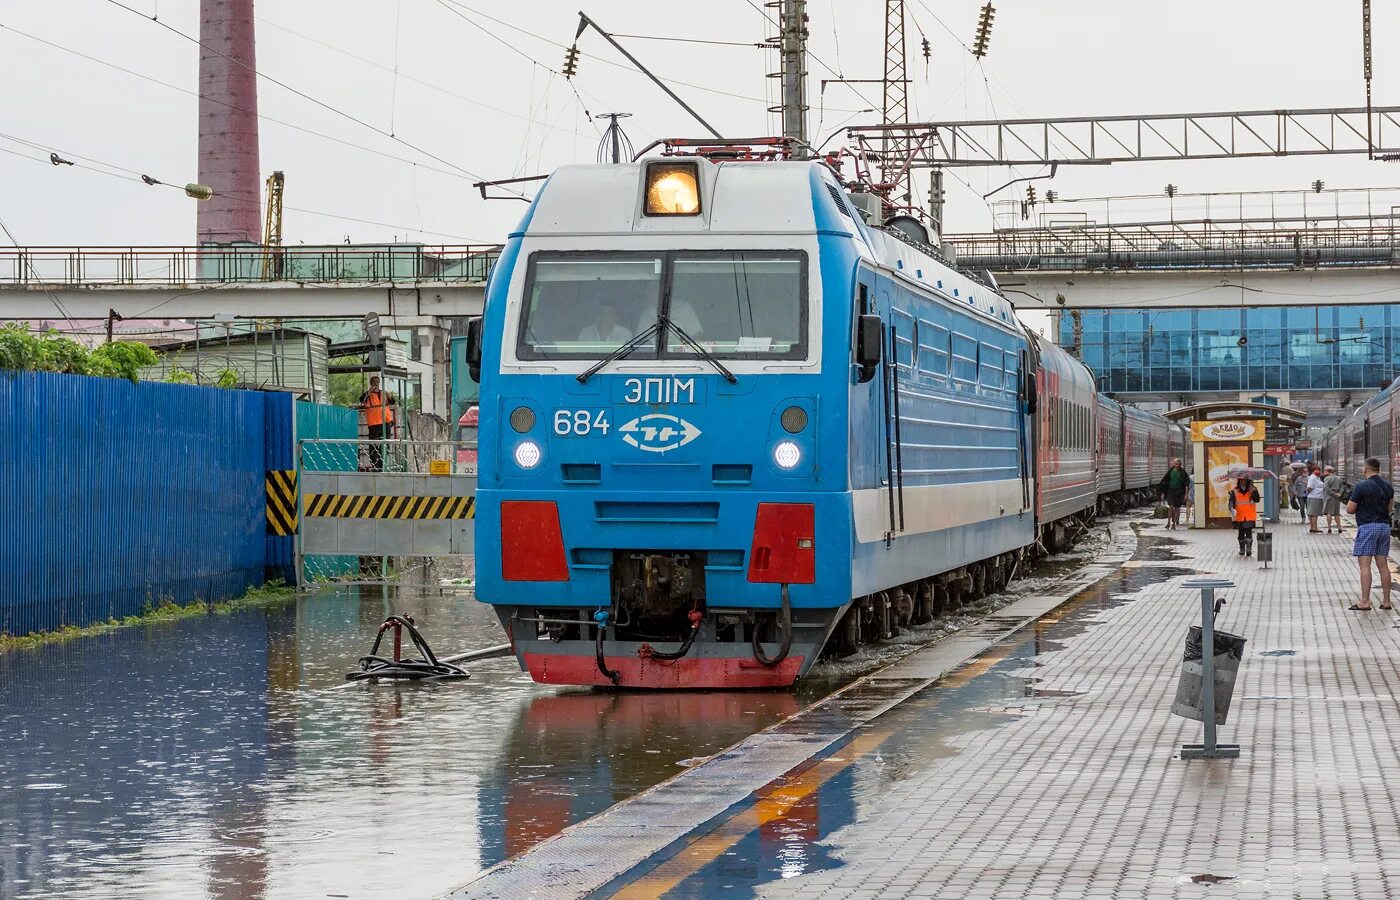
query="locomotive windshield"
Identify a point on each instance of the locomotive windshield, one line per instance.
(735, 304)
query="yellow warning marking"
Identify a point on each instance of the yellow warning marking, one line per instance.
(439, 467)
(281, 489)
(777, 799)
(387, 506)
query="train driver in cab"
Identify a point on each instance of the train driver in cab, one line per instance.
(605, 328)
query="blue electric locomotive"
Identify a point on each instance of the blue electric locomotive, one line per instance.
(726, 424)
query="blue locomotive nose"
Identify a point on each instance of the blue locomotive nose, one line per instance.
(723, 435)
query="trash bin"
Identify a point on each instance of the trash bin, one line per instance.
(1229, 650)
(1264, 551)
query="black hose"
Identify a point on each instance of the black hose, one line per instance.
(598, 655)
(787, 635)
(684, 649)
(375, 666)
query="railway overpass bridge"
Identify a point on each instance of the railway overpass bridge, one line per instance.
(1194, 264)
(222, 282)
(1300, 311)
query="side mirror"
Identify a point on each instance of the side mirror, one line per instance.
(869, 344)
(474, 348)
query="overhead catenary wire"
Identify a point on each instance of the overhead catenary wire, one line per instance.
(221, 102)
(135, 176)
(403, 75)
(607, 62)
(298, 92)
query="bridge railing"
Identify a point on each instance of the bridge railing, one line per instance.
(244, 263)
(1181, 245)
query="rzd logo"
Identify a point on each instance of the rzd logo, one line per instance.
(658, 432)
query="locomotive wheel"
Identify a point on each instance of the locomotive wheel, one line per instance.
(903, 608)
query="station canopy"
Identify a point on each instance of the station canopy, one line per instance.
(1276, 416)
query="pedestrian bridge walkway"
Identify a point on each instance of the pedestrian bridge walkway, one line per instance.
(241, 281)
(1035, 755)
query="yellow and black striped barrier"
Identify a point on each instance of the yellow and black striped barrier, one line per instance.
(281, 501)
(363, 506)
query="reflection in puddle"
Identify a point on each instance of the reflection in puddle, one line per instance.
(210, 756)
(787, 836)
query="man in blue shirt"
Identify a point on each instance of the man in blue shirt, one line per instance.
(1370, 503)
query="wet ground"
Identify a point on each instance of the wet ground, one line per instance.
(782, 830)
(223, 756)
(217, 756)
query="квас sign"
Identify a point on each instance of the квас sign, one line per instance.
(1228, 430)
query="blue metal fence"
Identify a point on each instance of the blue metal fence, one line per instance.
(122, 495)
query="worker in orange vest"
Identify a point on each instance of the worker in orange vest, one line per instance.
(1244, 501)
(378, 406)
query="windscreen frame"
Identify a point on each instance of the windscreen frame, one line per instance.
(801, 350)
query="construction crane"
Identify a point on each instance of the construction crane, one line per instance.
(272, 228)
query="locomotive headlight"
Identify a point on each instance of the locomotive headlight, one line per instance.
(787, 454)
(527, 454)
(673, 189)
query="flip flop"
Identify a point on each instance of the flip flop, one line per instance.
(1387, 607)
(1361, 608)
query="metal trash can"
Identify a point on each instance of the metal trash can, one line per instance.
(1264, 547)
(1229, 650)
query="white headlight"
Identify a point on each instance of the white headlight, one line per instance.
(527, 454)
(786, 454)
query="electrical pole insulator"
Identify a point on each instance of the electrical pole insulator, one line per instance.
(571, 61)
(928, 51)
(1051, 196)
(1030, 195)
(1170, 190)
(984, 31)
(1317, 186)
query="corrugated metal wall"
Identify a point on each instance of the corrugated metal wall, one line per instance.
(119, 495)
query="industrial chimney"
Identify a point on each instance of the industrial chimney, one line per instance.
(228, 123)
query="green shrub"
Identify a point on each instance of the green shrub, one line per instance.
(22, 350)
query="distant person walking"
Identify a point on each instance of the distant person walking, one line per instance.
(1244, 504)
(378, 406)
(1317, 498)
(1173, 488)
(1298, 490)
(1371, 501)
(1336, 493)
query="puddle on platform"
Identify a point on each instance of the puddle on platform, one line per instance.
(799, 812)
(206, 757)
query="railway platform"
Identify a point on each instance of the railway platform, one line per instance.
(1036, 755)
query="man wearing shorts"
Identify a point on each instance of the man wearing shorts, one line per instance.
(1370, 503)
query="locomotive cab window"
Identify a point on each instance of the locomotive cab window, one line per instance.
(737, 305)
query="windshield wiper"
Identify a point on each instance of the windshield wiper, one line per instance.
(700, 351)
(632, 344)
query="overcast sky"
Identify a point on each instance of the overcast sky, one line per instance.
(470, 94)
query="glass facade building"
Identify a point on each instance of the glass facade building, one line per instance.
(1181, 350)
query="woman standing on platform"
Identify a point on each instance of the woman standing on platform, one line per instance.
(1336, 492)
(1244, 503)
(1298, 489)
(1317, 498)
